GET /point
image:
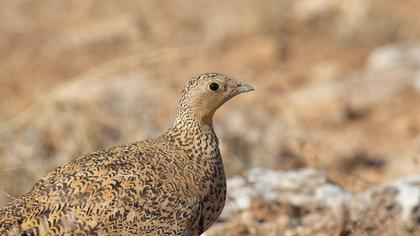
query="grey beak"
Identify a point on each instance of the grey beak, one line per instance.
(243, 88)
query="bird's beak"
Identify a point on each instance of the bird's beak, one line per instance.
(243, 88)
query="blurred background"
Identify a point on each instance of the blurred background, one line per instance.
(337, 93)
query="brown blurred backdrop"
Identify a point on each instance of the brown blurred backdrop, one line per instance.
(337, 82)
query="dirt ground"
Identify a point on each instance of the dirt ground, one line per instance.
(337, 82)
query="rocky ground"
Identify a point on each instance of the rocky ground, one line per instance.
(328, 144)
(306, 202)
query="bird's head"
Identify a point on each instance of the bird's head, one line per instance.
(205, 93)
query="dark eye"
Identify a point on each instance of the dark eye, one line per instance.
(214, 86)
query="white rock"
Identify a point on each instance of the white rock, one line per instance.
(395, 56)
(310, 187)
(409, 195)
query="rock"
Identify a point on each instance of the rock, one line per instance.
(305, 202)
(275, 201)
(394, 56)
(387, 207)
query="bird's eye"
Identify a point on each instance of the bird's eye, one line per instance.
(214, 86)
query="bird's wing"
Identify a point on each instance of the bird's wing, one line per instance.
(83, 187)
(114, 188)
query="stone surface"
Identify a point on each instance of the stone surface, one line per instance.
(305, 202)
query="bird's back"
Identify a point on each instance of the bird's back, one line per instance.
(145, 187)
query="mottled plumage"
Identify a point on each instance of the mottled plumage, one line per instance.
(171, 185)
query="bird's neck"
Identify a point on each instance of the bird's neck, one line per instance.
(193, 133)
(188, 118)
(191, 130)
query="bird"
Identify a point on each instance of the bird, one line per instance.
(174, 184)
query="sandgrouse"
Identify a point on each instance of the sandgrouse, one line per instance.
(172, 185)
